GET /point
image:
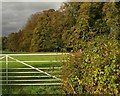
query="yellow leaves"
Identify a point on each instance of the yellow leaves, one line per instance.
(101, 72)
(118, 51)
(92, 83)
(116, 91)
(96, 70)
(76, 78)
(79, 81)
(86, 60)
(113, 61)
(96, 56)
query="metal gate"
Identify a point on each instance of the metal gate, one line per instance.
(30, 75)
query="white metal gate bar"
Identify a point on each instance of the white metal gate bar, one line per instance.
(34, 68)
(6, 69)
(32, 80)
(48, 54)
(27, 76)
(38, 68)
(42, 84)
(41, 61)
(2, 57)
(30, 72)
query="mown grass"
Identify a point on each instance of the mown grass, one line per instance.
(33, 89)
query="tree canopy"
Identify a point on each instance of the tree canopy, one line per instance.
(67, 28)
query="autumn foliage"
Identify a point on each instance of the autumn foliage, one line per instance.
(95, 69)
(90, 31)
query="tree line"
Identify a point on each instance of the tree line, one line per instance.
(67, 28)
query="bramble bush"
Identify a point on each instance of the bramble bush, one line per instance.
(94, 69)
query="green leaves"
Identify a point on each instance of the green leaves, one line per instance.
(97, 67)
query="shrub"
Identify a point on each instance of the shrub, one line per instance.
(94, 69)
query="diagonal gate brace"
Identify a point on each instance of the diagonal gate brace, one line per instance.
(35, 68)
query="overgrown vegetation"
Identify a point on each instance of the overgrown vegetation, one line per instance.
(95, 69)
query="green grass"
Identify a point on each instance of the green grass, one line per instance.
(10, 52)
(38, 58)
(33, 89)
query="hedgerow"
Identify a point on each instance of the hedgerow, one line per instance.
(94, 69)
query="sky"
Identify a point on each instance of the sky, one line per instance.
(16, 14)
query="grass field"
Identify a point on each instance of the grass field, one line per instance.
(26, 75)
